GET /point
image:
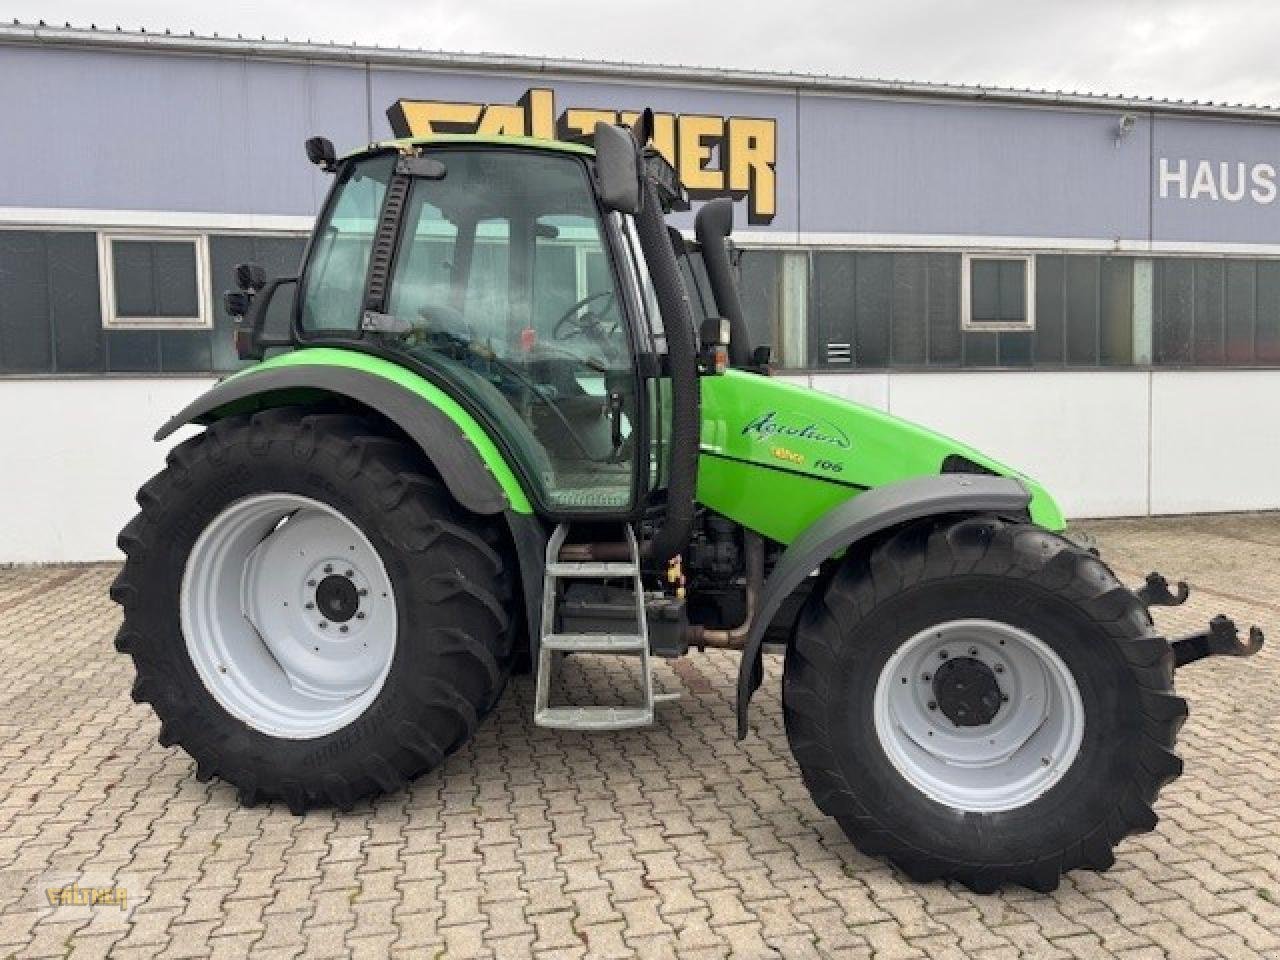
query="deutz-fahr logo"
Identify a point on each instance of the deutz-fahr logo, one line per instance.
(778, 426)
(715, 156)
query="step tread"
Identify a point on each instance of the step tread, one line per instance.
(594, 642)
(591, 568)
(593, 718)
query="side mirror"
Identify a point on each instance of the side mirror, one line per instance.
(618, 169)
(262, 320)
(320, 152)
(250, 277)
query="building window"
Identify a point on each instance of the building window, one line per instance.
(1089, 311)
(154, 282)
(1216, 312)
(997, 292)
(885, 309)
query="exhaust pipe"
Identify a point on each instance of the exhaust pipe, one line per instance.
(735, 637)
(712, 226)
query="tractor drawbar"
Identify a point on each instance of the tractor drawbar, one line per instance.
(1222, 639)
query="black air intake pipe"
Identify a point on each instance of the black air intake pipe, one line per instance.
(686, 413)
(712, 227)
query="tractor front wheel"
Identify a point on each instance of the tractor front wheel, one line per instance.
(310, 614)
(980, 700)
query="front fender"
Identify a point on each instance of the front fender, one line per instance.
(855, 520)
(466, 458)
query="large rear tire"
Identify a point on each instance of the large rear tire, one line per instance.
(310, 614)
(980, 700)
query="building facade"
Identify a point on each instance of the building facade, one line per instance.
(1086, 287)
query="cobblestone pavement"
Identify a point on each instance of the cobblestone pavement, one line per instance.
(670, 841)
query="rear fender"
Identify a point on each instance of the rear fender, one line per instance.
(466, 458)
(855, 520)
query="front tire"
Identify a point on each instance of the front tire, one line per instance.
(309, 613)
(980, 700)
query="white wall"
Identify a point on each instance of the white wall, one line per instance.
(74, 453)
(1105, 444)
(1083, 435)
(1215, 441)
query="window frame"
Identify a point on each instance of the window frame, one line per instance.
(967, 323)
(111, 320)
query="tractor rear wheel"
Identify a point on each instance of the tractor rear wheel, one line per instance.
(980, 700)
(310, 614)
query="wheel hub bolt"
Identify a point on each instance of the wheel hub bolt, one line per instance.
(311, 606)
(973, 651)
(360, 615)
(942, 654)
(933, 704)
(1004, 698)
(311, 583)
(999, 669)
(927, 677)
(363, 592)
(323, 625)
(350, 574)
(328, 568)
(343, 628)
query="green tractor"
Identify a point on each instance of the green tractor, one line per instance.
(507, 414)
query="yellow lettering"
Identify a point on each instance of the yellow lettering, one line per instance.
(422, 118)
(713, 155)
(580, 122)
(664, 132)
(697, 136)
(753, 151)
(502, 121)
(540, 106)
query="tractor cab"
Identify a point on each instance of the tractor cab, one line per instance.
(496, 273)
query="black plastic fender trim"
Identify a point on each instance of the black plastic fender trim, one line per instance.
(529, 535)
(854, 520)
(461, 467)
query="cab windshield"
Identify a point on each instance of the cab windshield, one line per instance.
(501, 283)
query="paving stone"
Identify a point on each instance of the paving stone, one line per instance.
(671, 841)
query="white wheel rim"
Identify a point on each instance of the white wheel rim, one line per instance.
(982, 766)
(288, 615)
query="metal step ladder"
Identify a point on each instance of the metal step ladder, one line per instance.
(632, 644)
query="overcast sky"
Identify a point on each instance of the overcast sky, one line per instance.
(1221, 50)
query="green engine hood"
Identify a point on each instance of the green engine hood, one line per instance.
(776, 457)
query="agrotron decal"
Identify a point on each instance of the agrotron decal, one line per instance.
(772, 425)
(715, 156)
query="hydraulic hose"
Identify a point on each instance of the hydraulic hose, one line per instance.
(712, 227)
(686, 414)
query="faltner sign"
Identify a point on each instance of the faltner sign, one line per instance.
(715, 156)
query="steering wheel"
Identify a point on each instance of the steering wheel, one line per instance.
(574, 315)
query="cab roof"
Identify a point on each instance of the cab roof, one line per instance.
(476, 139)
